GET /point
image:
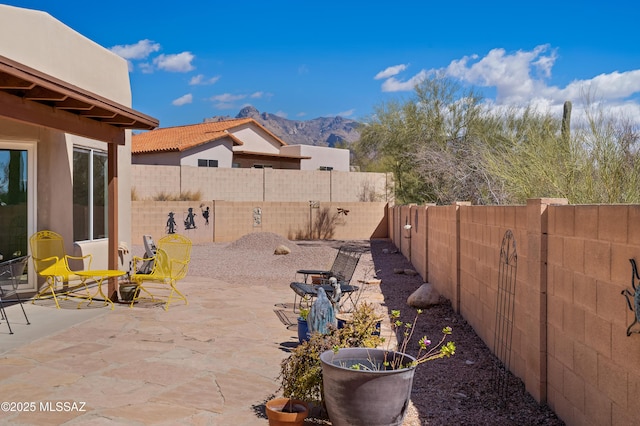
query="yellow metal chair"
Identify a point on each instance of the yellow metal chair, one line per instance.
(51, 262)
(170, 264)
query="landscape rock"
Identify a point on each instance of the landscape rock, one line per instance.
(282, 249)
(424, 297)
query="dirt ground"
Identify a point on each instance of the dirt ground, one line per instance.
(453, 391)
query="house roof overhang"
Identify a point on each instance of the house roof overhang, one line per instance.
(270, 155)
(31, 96)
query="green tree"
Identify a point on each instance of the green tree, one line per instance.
(538, 157)
(429, 143)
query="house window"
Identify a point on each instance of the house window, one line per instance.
(89, 194)
(207, 163)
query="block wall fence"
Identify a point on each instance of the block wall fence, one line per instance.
(260, 184)
(570, 345)
(230, 220)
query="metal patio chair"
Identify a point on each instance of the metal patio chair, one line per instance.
(51, 262)
(170, 264)
(10, 273)
(344, 265)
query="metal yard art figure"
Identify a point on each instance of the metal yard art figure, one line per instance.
(633, 293)
(171, 224)
(189, 222)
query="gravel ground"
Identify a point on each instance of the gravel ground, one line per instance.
(453, 391)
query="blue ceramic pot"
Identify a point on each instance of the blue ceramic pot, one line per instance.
(303, 330)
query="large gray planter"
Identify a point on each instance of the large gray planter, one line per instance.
(368, 396)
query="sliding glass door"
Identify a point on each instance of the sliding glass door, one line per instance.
(17, 207)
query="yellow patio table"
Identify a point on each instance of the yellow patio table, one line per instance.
(99, 275)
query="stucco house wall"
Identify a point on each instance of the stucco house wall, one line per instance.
(41, 42)
(219, 150)
(321, 156)
(255, 140)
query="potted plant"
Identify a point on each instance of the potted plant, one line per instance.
(372, 386)
(303, 326)
(286, 412)
(301, 372)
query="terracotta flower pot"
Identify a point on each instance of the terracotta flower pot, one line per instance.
(370, 396)
(286, 412)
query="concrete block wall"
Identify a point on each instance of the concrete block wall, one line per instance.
(297, 185)
(248, 184)
(230, 220)
(149, 181)
(569, 342)
(224, 184)
(151, 217)
(594, 373)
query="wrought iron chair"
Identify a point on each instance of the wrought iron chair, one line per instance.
(170, 264)
(344, 265)
(51, 262)
(10, 273)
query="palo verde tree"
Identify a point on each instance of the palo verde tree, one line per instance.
(597, 162)
(429, 142)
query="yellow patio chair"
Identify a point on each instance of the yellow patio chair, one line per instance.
(51, 262)
(170, 264)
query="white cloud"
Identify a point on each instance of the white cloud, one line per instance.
(510, 74)
(199, 80)
(140, 50)
(522, 77)
(347, 113)
(281, 114)
(301, 114)
(227, 98)
(145, 67)
(394, 85)
(183, 100)
(180, 62)
(390, 71)
(615, 85)
(257, 95)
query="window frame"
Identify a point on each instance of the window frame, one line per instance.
(91, 184)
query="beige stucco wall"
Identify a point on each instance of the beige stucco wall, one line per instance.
(321, 156)
(40, 41)
(220, 150)
(255, 140)
(47, 45)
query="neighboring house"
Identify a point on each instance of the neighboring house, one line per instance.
(65, 121)
(238, 143)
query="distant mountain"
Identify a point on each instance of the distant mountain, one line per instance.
(323, 131)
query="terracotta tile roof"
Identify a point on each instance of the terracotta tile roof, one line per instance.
(181, 138)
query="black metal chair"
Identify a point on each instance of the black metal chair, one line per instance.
(344, 265)
(10, 273)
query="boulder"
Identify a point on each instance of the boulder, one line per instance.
(282, 249)
(424, 297)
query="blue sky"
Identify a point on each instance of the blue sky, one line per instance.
(195, 59)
